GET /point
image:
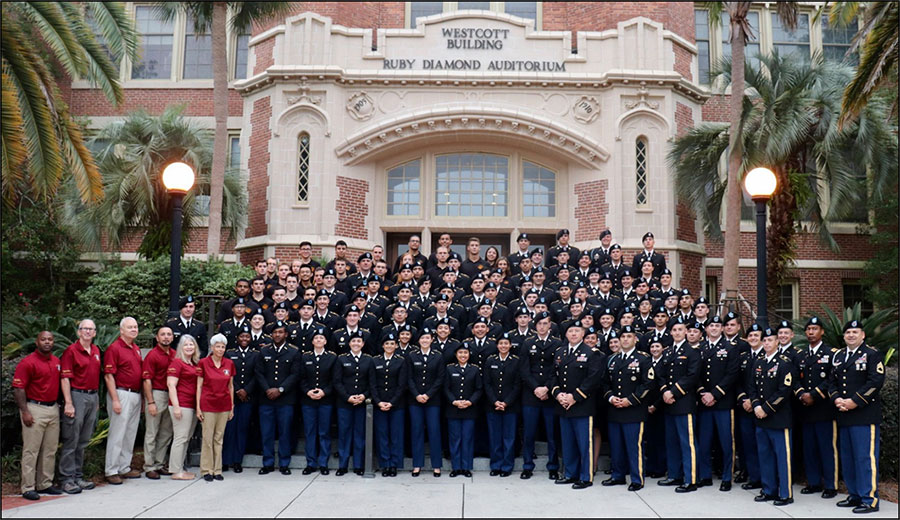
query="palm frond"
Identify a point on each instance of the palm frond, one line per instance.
(245, 14)
(14, 153)
(56, 32)
(695, 158)
(878, 60)
(99, 69)
(116, 26)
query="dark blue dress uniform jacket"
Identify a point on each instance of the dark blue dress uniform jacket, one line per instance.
(719, 372)
(579, 374)
(680, 374)
(463, 384)
(772, 389)
(634, 379)
(276, 369)
(390, 381)
(537, 366)
(426, 377)
(859, 377)
(502, 382)
(352, 377)
(815, 376)
(317, 374)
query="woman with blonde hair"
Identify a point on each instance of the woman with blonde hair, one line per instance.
(215, 405)
(181, 378)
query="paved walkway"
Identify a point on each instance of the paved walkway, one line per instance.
(275, 495)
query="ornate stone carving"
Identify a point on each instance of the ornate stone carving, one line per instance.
(360, 106)
(586, 109)
(642, 100)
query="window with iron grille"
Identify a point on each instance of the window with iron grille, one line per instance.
(303, 168)
(640, 150)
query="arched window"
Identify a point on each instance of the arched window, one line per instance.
(403, 189)
(303, 167)
(640, 171)
(538, 191)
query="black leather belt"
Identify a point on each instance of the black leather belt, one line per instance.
(84, 391)
(42, 403)
(128, 390)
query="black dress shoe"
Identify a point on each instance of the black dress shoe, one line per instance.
(208, 477)
(436, 473)
(495, 472)
(809, 490)
(829, 493)
(686, 489)
(613, 482)
(740, 478)
(341, 472)
(526, 474)
(607, 471)
(31, 495)
(416, 472)
(783, 501)
(581, 484)
(849, 502)
(237, 468)
(505, 473)
(751, 485)
(554, 475)
(285, 470)
(634, 486)
(385, 472)
(52, 490)
(466, 473)
(454, 473)
(224, 467)
(393, 472)
(565, 481)
(864, 508)
(705, 482)
(762, 497)
(218, 477)
(323, 471)
(359, 471)
(671, 482)
(265, 470)
(309, 471)
(725, 485)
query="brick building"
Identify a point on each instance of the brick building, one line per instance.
(367, 121)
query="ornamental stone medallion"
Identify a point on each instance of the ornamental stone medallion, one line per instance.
(586, 109)
(361, 106)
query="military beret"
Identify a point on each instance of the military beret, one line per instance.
(426, 278)
(280, 305)
(521, 311)
(629, 309)
(374, 278)
(576, 301)
(671, 292)
(755, 327)
(320, 331)
(426, 332)
(541, 299)
(405, 285)
(526, 257)
(525, 278)
(642, 299)
(576, 323)
(462, 346)
(523, 236)
(364, 256)
(257, 310)
(351, 308)
(443, 321)
(404, 328)
(444, 286)
(497, 271)
(730, 316)
(607, 312)
(666, 271)
(853, 324)
(605, 233)
(390, 336)
(184, 301)
(307, 303)
(784, 324)
(279, 325)
(485, 303)
(442, 297)
(541, 316)
(329, 272)
(564, 283)
(605, 276)
(244, 330)
(626, 272)
(239, 301)
(656, 342)
(504, 337)
(360, 296)
(561, 232)
(693, 324)
(590, 330)
(406, 267)
(613, 334)
(455, 256)
(685, 292)
(418, 263)
(615, 247)
(640, 282)
(357, 334)
(715, 319)
(627, 329)
(814, 321)
(538, 269)
(768, 333)
(701, 300)
(479, 276)
(322, 292)
(679, 320)
(490, 285)
(646, 236)
(584, 253)
(660, 310)
(482, 319)
(537, 251)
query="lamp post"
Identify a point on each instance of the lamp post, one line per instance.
(178, 178)
(761, 184)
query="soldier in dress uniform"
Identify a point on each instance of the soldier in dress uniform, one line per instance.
(562, 244)
(732, 332)
(502, 388)
(659, 261)
(655, 437)
(658, 332)
(575, 381)
(185, 323)
(537, 355)
(463, 387)
(770, 397)
(244, 358)
(786, 347)
(678, 383)
(322, 313)
(277, 377)
(628, 386)
(353, 374)
(426, 384)
(231, 326)
(719, 372)
(389, 384)
(524, 243)
(600, 255)
(749, 454)
(341, 337)
(817, 413)
(317, 401)
(615, 266)
(857, 378)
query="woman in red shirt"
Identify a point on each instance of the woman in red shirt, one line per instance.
(215, 405)
(181, 378)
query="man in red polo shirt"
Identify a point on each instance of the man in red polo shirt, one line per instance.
(122, 374)
(157, 421)
(36, 388)
(80, 383)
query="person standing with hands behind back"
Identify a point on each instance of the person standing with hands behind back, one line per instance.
(215, 405)
(122, 375)
(80, 384)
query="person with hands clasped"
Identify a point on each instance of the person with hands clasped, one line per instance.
(502, 388)
(317, 401)
(353, 374)
(277, 376)
(462, 389)
(244, 358)
(215, 405)
(389, 384)
(426, 382)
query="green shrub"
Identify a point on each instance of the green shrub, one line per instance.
(881, 329)
(890, 439)
(10, 424)
(141, 290)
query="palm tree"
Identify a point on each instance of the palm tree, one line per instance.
(42, 145)
(211, 17)
(789, 123)
(740, 34)
(131, 153)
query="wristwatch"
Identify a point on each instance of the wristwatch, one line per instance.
(281, 389)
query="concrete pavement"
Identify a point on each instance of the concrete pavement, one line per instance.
(275, 495)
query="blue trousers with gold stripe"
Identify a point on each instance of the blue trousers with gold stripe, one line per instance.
(681, 454)
(577, 436)
(722, 422)
(748, 442)
(820, 453)
(860, 449)
(774, 445)
(626, 451)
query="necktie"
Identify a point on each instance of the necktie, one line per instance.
(305, 327)
(387, 363)
(425, 357)
(189, 324)
(571, 350)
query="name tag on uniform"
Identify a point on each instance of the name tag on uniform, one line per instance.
(267, 358)
(347, 365)
(454, 374)
(682, 357)
(417, 363)
(309, 362)
(379, 366)
(494, 366)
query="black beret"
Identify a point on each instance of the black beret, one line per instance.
(351, 308)
(406, 267)
(523, 236)
(626, 272)
(666, 271)
(374, 278)
(426, 331)
(646, 236)
(853, 324)
(613, 334)
(442, 297)
(604, 233)
(184, 301)
(814, 321)
(541, 316)
(768, 333)
(755, 327)
(607, 312)
(307, 303)
(239, 301)
(701, 300)
(660, 310)
(364, 256)
(485, 303)
(695, 325)
(280, 305)
(685, 292)
(244, 330)
(730, 316)
(784, 324)
(482, 319)
(504, 337)
(279, 325)
(627, 329)
(715, 319)
(320, 331)
(322, 292)
(329, 272)
(615, 247)
(561, 232)
(360, 295)
(521, 311)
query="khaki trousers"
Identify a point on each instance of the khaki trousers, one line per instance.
(122, 431)
(183, 430)
(157, 432)
(39, 443)
(213, 434)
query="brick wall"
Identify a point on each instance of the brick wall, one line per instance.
(809, 247)
(197, 101)
(717, 108)
(677, 17)
(366, 15)
(690, 264)
(352, 209)
(683, 62)
(265, 55)
(591, 209)
(260, 135)
(684, 215)
(251, 255)
(196, 241)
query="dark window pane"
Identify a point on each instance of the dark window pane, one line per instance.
(522, 9)
(240, 56)
(701, 28)
(155, 53)
(855, 293)
(474, 5)
(197, 53)
(420, 9)
(794, 42)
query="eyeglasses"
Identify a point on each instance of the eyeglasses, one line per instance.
(86, 328)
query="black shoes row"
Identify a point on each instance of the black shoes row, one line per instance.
(237, 468)
(527, 474)
(497, 472)
(461, 472)
(826, 493)
(209, 477)
(576, 484)
(265, 470)
(857, 505)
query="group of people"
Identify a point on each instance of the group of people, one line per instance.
(578, 345)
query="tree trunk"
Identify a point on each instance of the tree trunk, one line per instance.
(220, 145)
(737, 11)
(780, 237)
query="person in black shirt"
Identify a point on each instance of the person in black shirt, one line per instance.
(317, 401)
(389, 384)
(426, 384)
(502, 379)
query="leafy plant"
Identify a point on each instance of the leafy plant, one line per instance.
(881, 329)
